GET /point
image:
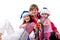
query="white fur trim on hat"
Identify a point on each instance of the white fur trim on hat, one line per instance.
(25, 14)
(45, 11)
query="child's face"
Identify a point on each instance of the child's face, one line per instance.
(34, 12)
(27, 18)
(44, 15)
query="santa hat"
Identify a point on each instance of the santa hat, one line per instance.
(24, 13)
(45, 10)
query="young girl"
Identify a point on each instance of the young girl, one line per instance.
(28, 22)
(46, 22)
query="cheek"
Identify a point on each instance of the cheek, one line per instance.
(31, 12)
(24, 19)
(46, 16)
(28, 18)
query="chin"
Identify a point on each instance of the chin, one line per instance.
(27, 21)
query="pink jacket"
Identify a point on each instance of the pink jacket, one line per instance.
(47, 28)
(29, 28)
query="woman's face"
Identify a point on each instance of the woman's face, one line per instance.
(34, 12)
(27, 18)
(44, 15)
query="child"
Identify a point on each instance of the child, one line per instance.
(46, 22)
(27, 21)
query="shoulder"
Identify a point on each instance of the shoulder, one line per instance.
(32, 24)
(22, 26)
(48, 20)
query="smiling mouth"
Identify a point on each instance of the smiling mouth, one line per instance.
(27, 19)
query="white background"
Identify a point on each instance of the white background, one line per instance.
(11, 10)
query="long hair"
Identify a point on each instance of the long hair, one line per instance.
(29, 20)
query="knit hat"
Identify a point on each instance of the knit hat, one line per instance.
(24, 13)
(45, 10)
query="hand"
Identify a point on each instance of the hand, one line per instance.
(57, 35)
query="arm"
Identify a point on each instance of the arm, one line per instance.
(53, 27)
(47, 23)
(30, 27)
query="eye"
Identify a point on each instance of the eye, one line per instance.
(27, 15)
(24, 17)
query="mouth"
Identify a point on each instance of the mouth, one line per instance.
(27, 19)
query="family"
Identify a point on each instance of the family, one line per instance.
(30, 19)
